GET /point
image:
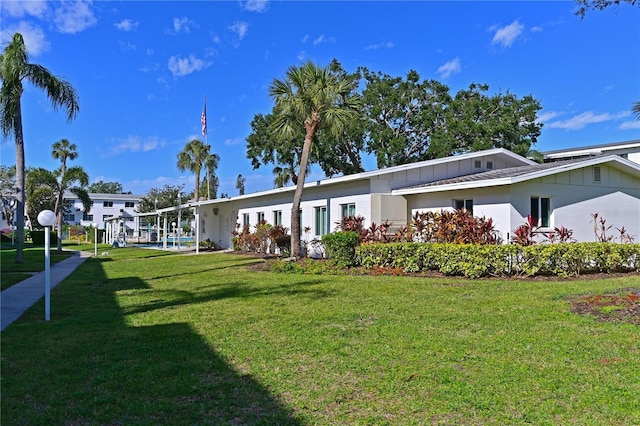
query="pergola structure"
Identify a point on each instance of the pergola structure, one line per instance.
(114, 226)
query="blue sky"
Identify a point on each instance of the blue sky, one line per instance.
(143, 68)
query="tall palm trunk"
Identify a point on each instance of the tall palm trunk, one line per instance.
(196, 196)
(20, 184)
(311, 127)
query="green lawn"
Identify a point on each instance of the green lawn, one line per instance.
(147, 337)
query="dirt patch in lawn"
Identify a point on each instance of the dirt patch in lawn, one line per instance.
(620, 306)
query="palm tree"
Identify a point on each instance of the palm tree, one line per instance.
(312, 98)
(63, 151)
(194, 157)
(14, 68)
(636, 109)
(43, 184)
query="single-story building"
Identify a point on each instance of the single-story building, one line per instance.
(494, 183)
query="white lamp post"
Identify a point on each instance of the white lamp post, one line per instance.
(173, 224)
(95, 239)
(47, 218)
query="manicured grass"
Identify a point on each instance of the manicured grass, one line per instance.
(12, 273)
(146, 337)
(33, 259)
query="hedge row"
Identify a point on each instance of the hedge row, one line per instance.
(474, 261)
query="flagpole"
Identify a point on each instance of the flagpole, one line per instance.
(205, 131)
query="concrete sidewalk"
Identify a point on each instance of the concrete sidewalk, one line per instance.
(15, 300)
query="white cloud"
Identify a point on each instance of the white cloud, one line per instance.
(506, 36)
(240, 28)
(302, 55)
(74, 16)
(256, 5)
(323, 39)
(536, 29)
(630, 125)
(451, 67)
(546, 116)
(183, 25)
(386, 45)
(580, 121)
(33, 36)
(180, 67)
(127, 25)
(18, 9)
(234, 141)
(133, 144)
(126, 46)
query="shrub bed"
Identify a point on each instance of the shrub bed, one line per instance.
(474, 261)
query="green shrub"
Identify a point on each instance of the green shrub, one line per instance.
(474, 261)
(37, 238)
(341, 247)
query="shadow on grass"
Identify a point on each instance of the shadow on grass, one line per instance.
(89, 366)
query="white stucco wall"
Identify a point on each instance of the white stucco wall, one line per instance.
(574, 197)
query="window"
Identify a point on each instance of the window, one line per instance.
(128, 204)
(69, 217)
(463, 204)
(477, 164)
(107, 204)
(277, 217)
(489, 165)
(106, 216)
(128, 218)
(87, 217)
(597, 174)
(260, 217)
(321, 220)
(541, 211)
(348, 209)
(245, 219)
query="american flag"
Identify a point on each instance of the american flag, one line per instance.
(203, 118)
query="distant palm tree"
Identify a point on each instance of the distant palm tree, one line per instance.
(636, 109)
(312, 98)
(195, 157)
(65, 179)
(14, 68)
(42, 183)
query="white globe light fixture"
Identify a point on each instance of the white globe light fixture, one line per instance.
(47, 218)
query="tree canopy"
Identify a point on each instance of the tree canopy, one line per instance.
(402, 120)
(161, 198)
(101, 187)
(585, 5)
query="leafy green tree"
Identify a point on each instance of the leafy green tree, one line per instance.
(409, 120)
(475, 121)
(210, 188)
(240, 184)
(7, 191)
(195, 157)
(584, 5)
(335, 154)
(14, 69)
(310, 98)
(283, 151)
(162, 198)
(101, 187)
(402, 116)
